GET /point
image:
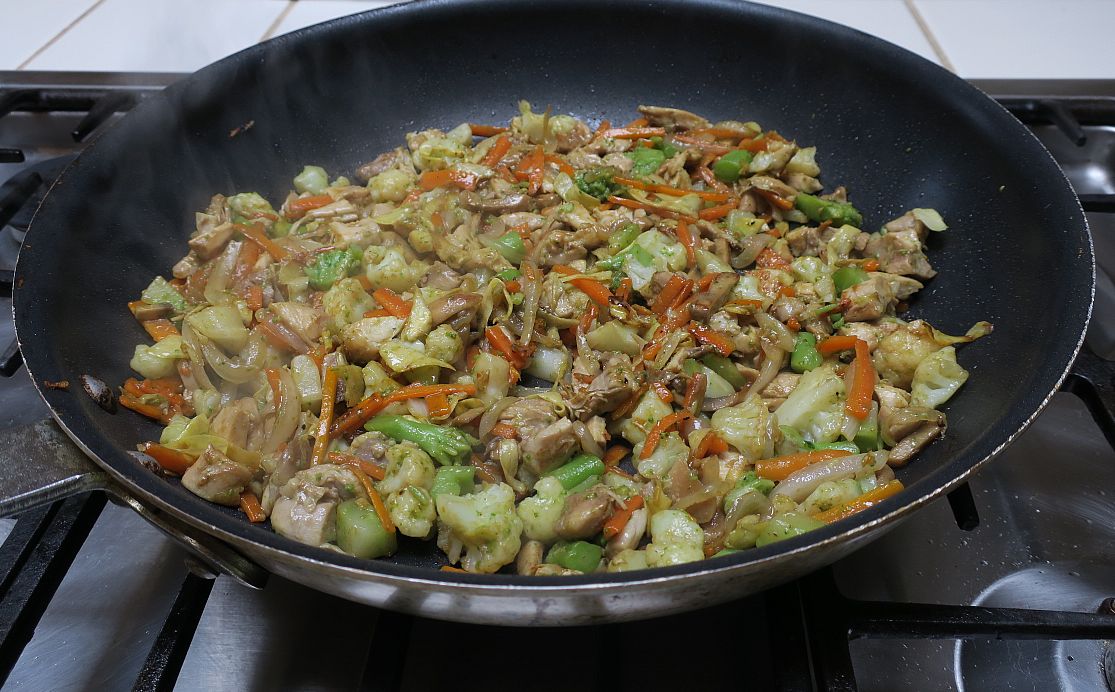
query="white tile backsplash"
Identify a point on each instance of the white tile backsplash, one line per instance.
(159, 35)
(37, 23)
(307, 12)
(1025, 39)
(887, 19)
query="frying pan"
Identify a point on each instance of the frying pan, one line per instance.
(898, 131)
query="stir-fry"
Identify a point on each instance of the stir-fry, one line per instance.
(549, 347)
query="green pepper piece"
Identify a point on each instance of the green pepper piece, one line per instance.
(730, 166)
(805, 356)
(510, 245)
(509, 274)
(579, 555)
(360, 531)
(647, 161)
(598, 182)
(846, 277)
(818, 210)
(624, 236)
(455, 480)
(446, 445)
(577, 470)
(330, 267)
(724, 367)
(665, 145)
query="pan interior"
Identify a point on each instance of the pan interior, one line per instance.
(897, 131)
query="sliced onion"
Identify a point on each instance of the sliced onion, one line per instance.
(236, 370)
(772, 365)
(531, 282)
(491, 416)
(799, 484)
(222, 271)
(287, 415)
(776, 333)
(588, 444)
(193, 352)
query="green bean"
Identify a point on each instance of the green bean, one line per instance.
(360, 531)
(579, 555)
(578, 470)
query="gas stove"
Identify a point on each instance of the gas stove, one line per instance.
(91, 596)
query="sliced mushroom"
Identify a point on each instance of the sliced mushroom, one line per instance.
(530, 557)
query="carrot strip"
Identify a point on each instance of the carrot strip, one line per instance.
(502, 343)
(160, 329)
(276, 385)
(451, 568)
(381, 509)
(352, 461)
(865, 501)
(638, 122)
(780, 468)
(718, 212)
(368, 408)
(561, 164)
(705, 173)
(170, 459)
(660, 428)
(431, 180)
(616, 523)
(835, 344)
(688, 242)
(615, 454)
(694, 383)
(595, 290)
(858, 404)
(299, 207)
(392, 302)
(713, 338)
(328, 400)
(662, 392)
(673, 191)
(603, 127)
(769, 259)
(531, 169)
(255, 234)
(635, 204)
(668, 294)
(438, 406)
(706, 281)
(755, 144)
(276, 338)
(787, 291)
(870, 265)
(624, 290)
(497, 152)
(378, 313)
(254, 298)
(149, 410)
(710, 444)
(249, 504)
(505, 431)
(633, 132)
(486, 130)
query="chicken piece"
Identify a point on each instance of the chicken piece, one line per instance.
(306, 321)
(558, 247)
(714, 297)
(912, 427)
(360, 341)
(361, 233)
(773, 186)
(868, 300)
(567, 139)
(464, 253)
(591, 237)
(784, 307)
(801, 182)
(209, 242)
(381, 163)
(236, 422)
(749, 249)
(217, 478)
(806, 241)
(584, 513)
(902, 286)
(616, 383)
(623, 164)
(672, 118)
(449, 306)
(908, 223)
(186, 266)
(550, 446)
(900, 252)
(307, 507)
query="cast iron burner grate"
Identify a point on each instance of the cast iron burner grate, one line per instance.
(808, 622)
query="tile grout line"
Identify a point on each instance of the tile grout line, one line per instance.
(60, 34)
(278, 21)
(932, 39)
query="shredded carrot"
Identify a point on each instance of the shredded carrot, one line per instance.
(616, 523)
(437, 405)
(150, 410)
(696, 382)
(633, 132)
(638, 122)
(780, 468)
(787, 291)
(255, 233)
(793, 324)
(249, 504)
(595, 290)
(160, 329)
(624, 290)
(615, 454)
(497, 152)
(451, 568)
(530, 168)
(381, 509)
(636, 204)
(381, 312)
(486, 130)
(392, 302)
(718, 212)
(858, 404)
(274, 380)
(352, 461)
(368, 408)
(505, 431)
(706, 281)
(769, 259)
(707, 335)
(501, 342)
(755, 144)
(661, 428)
(705, 173)
(170, 459)
(835, 344)
(702, 144)
(628, 406)
(865, 501)
(431, 180)
(669, 293)
(775, 199)
(688, 242)
(603, 127)
(255, 297)
(710, 444)
(870, 265)
(585, 323)
(673, 191)
(299, 207)
(325, 422)
(663, 392)
(561, 164)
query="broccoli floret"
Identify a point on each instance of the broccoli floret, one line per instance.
(598, 182)
(445, 444)
(330, 267)
(407, 465)
(485, 523)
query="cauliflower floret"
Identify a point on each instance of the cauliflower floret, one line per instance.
(387, 267)
(670, 449)
(815, 407)
(540, 512)
(391, 185)
(444, 344)
(407, 465)
(628, 560)
(346, 302)
(675, 538)
(899, 353)
(412, 510)
(744, 426)
(649, 411)
(937, 378)
(361, 340)
(485, 523)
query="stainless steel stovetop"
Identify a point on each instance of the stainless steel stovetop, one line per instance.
(1038, 544)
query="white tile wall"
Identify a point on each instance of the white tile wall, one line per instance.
(977, 38)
